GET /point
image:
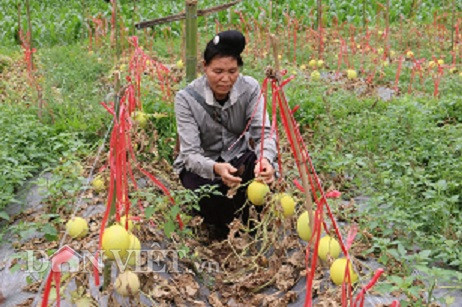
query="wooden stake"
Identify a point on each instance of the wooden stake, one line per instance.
(117, 30)
(133, 30)
(19, 22)
(116, 109)
(19, 17)
(300, 158)
(364, 14)
(453, 23)
(191, 40)
(183, 41)
(387, 29)
(319, 24)
(29, 33)
(84, 18)
(414, 6)
(318, 13)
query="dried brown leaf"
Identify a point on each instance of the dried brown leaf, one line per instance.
(214, 300)
(285, 277)
(187, 285)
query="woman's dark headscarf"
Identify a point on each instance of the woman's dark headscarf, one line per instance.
(229, 43)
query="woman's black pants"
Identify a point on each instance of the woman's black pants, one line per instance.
(219, 210)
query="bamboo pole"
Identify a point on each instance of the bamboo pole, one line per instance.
(414, 5)
(387, 29)
(29, 33)
(453, 23)
(191, 39)
(319, 25)
(84, 14)
(19, 21)
(117, 30)
(108, 263)
(318, 13)
(116, 109)
(133, 30)
(300, 157)
(364, 14)
(183, 41)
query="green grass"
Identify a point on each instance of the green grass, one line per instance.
(73, 85)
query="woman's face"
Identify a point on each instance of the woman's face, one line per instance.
(221, 73)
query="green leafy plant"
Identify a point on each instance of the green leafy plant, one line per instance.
(185, 202)
(28, 146)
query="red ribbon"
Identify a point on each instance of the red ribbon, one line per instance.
(315, 186)
(137, 66)
(120, 151)
(62, 256)
(398, 72)
(361, 296)
(333, 194)
(351, 236)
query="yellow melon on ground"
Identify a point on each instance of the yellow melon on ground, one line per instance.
(337, 271)
(313, 63)
(141, 118)
(328, 246)
(133, 252)
(98, 184)
(352, 74)
(315, 75)
(127, 284)
(115, 238)
(77, 227)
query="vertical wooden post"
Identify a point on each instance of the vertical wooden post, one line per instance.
(413, 9)
(19, 19)
(191, 39)
(230, 18)
(116, 109)
(319, 26)
(117, 95)
(84, 30)
(364, 14)
(387, 28)
(299, 152)
(270, 15)
(183, 41)
(117, 30)
(318, 14)
(453, 20)
(107, 269)
(133, 30)
(29, 34)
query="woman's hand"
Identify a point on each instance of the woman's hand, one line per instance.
(267, 171)
(226, 171)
